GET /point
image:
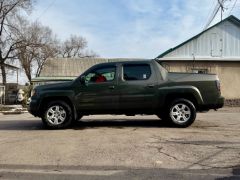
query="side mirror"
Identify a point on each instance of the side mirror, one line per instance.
(83, 80)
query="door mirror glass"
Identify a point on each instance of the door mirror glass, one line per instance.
(83, 80)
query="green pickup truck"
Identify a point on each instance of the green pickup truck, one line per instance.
(130, 88)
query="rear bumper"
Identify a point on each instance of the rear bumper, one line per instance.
(218, 104)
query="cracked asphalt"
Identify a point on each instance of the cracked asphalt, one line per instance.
(117, 147)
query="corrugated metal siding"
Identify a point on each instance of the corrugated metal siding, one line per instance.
(222, 40)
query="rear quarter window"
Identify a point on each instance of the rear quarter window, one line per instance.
(133, 72)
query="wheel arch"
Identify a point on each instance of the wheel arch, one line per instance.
(65, 99)
(188, 96)
(190, 93)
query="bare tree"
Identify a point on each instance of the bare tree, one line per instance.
(75, 46)
(9, 10)
(41, 45)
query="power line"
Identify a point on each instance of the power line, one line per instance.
(214, 13)
(209, 13)
(232, 7)
(210, 10)
(46, 9)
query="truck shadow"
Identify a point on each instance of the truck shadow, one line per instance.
(17, 125)
(120, 124)
(80, 125)
(235, 175)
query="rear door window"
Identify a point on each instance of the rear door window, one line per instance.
(133, 72)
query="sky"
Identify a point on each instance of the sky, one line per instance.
(128, 28)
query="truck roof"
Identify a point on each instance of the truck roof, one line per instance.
(129, 62)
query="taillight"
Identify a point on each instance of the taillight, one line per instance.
(218, 86)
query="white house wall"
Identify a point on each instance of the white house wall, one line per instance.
(221, 41)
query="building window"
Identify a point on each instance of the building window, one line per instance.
(199, 71)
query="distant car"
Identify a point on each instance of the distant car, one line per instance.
(136, 87)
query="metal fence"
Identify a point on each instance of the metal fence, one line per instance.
(2, 94)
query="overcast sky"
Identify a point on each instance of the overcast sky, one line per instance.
(127, 28)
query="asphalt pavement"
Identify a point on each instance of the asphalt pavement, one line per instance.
(121, 147)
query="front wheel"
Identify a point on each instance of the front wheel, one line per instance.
(180, 113)
(57, 115)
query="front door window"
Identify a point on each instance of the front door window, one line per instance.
(100, 75)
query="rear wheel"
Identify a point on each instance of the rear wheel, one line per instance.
(57, 115)
(180, 113)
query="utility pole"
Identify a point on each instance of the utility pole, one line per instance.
(220, 2)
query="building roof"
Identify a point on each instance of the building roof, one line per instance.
(201, 59)
(202, 44)
(73, 67)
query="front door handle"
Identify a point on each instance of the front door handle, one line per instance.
(111, 87)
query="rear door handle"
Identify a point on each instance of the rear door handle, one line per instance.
(150, 85)
(111, 87)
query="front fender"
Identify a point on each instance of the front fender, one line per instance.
(66, 95)
(58, 93)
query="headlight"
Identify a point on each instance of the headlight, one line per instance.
(34, 92)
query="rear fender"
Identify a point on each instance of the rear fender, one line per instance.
(179, 91)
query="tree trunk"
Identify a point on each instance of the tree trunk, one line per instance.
(4, 77)
(29, 76)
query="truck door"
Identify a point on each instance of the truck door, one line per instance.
(137, 87)
(99, 92)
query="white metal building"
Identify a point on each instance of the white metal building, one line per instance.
(215, 50)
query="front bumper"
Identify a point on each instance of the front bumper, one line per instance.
(33, 107)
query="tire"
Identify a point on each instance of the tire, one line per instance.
(180, 113)
(57, 115)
